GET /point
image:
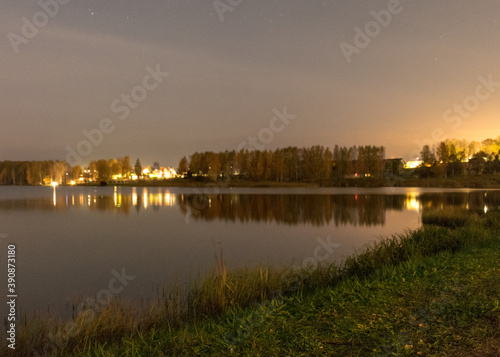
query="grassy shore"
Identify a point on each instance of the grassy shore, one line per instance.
(465, 181)
(430, 292)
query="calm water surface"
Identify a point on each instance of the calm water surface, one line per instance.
(69, 240)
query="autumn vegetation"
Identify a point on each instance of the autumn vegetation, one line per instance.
(316, 164)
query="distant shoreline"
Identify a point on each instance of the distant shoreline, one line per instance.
(483, 181)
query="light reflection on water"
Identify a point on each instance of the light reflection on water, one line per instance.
(69, 241)
(364, 209)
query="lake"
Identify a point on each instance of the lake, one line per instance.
(78, 241)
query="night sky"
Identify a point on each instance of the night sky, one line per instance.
(398, 74)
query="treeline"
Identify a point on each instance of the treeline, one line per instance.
(103, 170)
(35, 172)
(455, 157)
(315, 163)
(455, 150)
(292, 164)
(45, 172)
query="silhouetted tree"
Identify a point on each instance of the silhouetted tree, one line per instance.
(183, 166)
(114, 167)
(138, 168)
(76, 172)
(103, 170)
(125, 165)
(427, 156)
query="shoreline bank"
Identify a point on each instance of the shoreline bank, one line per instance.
(483, 181)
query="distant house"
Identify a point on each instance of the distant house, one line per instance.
(394, 166)
(413, 164)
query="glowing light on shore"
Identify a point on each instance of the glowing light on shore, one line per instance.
(413, 164)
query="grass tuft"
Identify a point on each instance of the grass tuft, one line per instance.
(449, 217)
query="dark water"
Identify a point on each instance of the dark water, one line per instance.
(77, 241)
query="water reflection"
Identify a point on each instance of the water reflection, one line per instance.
(88, 231)
(476, 201)
(290, 209)
(354, 210)
(119, 202)
(317, 210)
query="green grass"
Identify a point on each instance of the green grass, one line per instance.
(461, 181)
(432, 292)
(448, 217)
